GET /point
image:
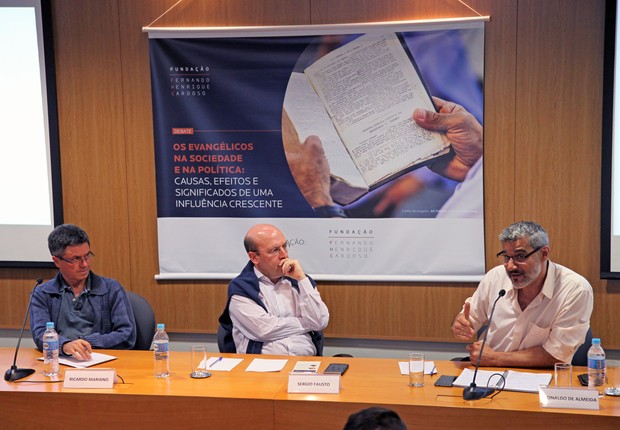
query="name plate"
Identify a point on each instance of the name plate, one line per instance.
(316, 383)
(89, 378)
(568, 398)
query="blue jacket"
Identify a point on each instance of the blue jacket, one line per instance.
(246, 285)
(114, 326)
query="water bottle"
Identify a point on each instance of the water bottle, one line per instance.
(50, 351)
(596, 364)
(160, 348)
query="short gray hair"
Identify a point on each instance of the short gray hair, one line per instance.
(65, 235)
(536, 235)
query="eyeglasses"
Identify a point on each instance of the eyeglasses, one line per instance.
(78, 260)
(273, 251)
(518, 258)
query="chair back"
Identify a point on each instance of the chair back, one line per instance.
(225, 342)
(145, 320)
(581, 355)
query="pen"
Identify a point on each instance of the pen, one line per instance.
(433, 370)
(215, 362)
(502, 380)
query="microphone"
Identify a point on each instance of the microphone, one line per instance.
(472, 392)
(14, 374)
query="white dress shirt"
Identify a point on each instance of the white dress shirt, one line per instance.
(284, 328)
(558, 318)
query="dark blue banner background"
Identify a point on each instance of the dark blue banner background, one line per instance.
(230, 92)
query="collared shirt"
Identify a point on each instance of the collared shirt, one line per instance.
(558, 318)
(77, 316)
(114, 323)
(284, 329)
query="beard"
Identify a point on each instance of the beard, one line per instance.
(521, 279)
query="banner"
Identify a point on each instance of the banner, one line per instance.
(311, 129)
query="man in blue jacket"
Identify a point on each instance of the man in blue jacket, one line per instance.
(273, 306)
(88, 311)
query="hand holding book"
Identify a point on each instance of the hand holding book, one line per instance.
(364, 122)
(462, 130)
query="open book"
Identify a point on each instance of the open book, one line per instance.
(515, 380)
(359, 100)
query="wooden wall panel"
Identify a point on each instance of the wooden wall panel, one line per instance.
(220, 13)
(558, 154)
(499, 119)
(92, 146)
(542, 149)
(140, 166)
(341, 11)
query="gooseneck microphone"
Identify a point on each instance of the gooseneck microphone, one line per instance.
(14, 374)
(472, 392)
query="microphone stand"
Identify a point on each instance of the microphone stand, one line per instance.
(473, 392)
(14, 374)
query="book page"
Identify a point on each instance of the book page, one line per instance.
(309, 117)
(370, 89)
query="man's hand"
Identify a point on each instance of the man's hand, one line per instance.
(531, 357)
(462, 328)
(308, 165)
(462, 130)
(487, 356)
(292, 269)
(79, 348)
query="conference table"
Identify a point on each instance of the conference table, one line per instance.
(239, 399)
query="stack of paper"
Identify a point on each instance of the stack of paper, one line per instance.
(514, 380)
(96, 358)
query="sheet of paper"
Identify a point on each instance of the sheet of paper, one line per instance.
(266, 365)
(96, 358)
(221, 363)
(429, 367)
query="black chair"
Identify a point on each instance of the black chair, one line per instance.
(581, 355)
(145, 320)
